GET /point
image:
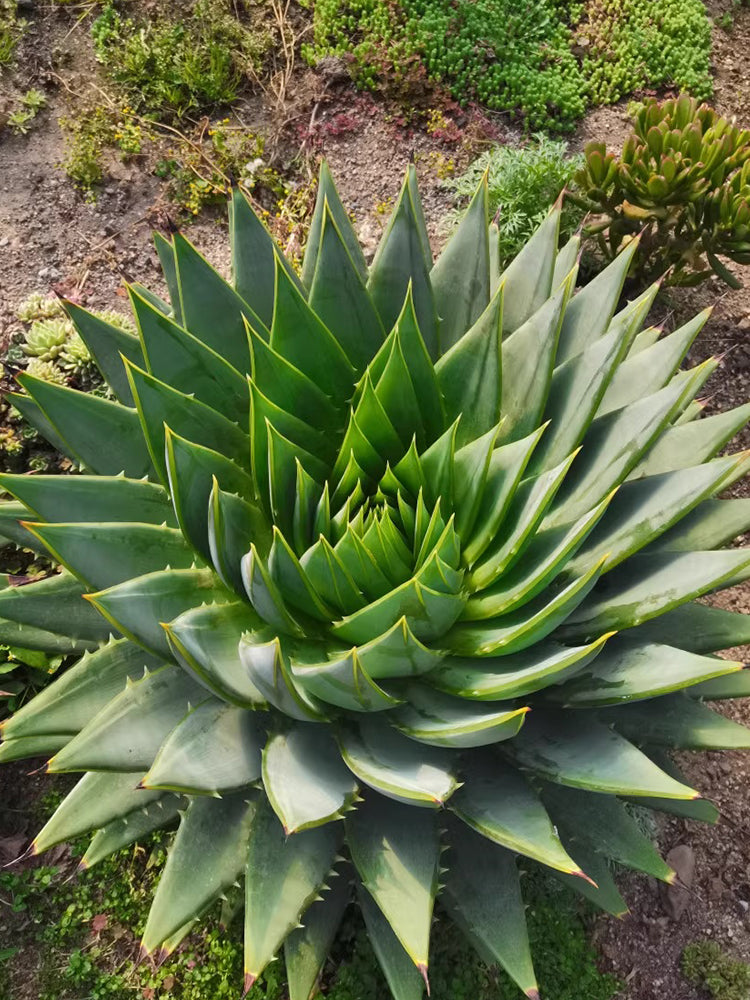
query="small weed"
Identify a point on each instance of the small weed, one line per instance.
(168, 67)
(707, 966)
(31, 103)
(726, 22)
(202, 166)
(91, 134)
(11, 29)
(523, 182)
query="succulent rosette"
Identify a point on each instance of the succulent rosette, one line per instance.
(383, 576)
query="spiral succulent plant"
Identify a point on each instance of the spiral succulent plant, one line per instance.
(46, 338)
(373, 563)
(682, 182)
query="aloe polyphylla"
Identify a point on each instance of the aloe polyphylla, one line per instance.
(383, 577)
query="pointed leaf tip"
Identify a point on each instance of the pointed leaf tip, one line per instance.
(250, 979)
(533, 994)
(422, 967)
(585, 877)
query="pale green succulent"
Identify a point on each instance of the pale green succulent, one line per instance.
(75, 355)
(45, 339)
(377, 562)
(45, 370)
(39, 306)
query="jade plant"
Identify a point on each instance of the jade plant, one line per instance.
(384, 577)
(682, 182)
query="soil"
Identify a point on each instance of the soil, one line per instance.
(53, 238)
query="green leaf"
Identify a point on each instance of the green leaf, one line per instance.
(133, 827)
(283, 876)
(696, 627)
(507, 465)
(499, 803)
(613, 445)
(339, 297)
(306, 948)
(165, 252)
(328, 198)
(471, 465)
(575, 394)
(404, 981)
(461, 276)
(104, 436)
(13, 517)
(191, 470)
(305, 779)
(602, 891)
(140, 606)
(541, 561)
(514, 676)
(269, 672)
(329, 577)
(160, 406)
(400, 264)
(576, 750)
(524, 627)
(254, 254)
(264, 594)
(632, 671)
(58, 602)
(700, 810)
(78, 694)
(205, 859)
(343, 681)
(602, 824)
(397, 653)
(428, 613)
(290, 389)
(710, 525)
(678, 721)
(211, 309)
(528, 278)
(566, 260)
(484, 899)
(105, 554)
(97, 799)
(215, 749)
(32, 746)
(396, 851)
(33, 415)
(645, 586)
(590, 311)
(299, 336)
(396, 766)
(152, 298)
(205, 642)
(528, 356)
(127, 733)
(470, 375)
(440, 720)
(688, 444)
(234, 525)
(527, 508)
(732, 685)
(107, 345)
(91, 498)
(641, 510)
(651, 369)
(174, 356)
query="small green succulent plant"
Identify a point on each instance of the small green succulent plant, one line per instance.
(682, 183)
(371, 564)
